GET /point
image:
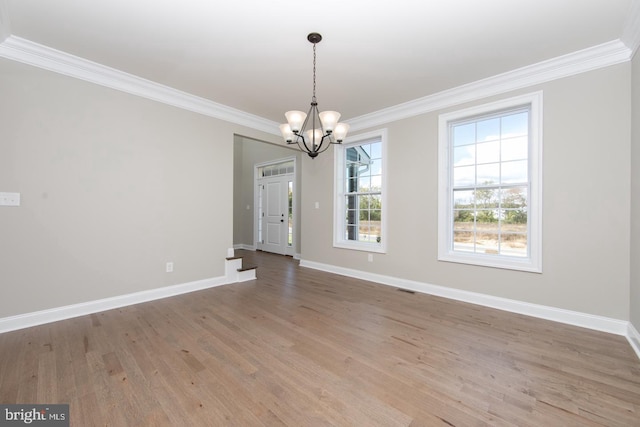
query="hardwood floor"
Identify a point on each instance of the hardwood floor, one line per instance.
(299, 347)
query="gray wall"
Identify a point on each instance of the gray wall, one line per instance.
(635, 193)
(113, 186)
(586, 203)
(247, 153)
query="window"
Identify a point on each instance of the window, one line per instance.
(290, 213)
(359, 221)
(490, 184)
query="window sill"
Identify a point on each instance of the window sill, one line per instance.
(525, 264)
(365, 247)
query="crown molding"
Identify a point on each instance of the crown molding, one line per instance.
(600, 56)
(595, 57)
(631, 30)
(27, 52)
(5, 27)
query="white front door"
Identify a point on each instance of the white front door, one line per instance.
(274, 217)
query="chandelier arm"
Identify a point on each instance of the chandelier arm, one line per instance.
(306, 121)
(303, 128)
(322, 150)
(304, 142)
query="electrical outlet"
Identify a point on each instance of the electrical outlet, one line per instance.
(370, 257)
(169, 267)
(9, 199)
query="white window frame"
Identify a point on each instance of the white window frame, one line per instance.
(533, 262)
(339, 240)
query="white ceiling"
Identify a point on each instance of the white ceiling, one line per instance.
(253, 55)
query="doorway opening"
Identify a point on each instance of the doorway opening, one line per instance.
(274, 193)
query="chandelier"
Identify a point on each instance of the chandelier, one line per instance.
(315, 131)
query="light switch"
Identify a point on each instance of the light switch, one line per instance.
(9, 199)
(317, 205)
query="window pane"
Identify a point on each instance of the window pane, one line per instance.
(515, 197)
(352, 232)
(464, 176)
(376, 150)
(513, 245)
(369, 231)
(463, 220)
(515, 124)
(487, 198)
(364, 184)
(488, 174)
(514, 172)
(488, 130)
(376, 167)
(487, 242)
(365, 152)
(463, 241)
(351, 218)
(351, 155)
(515, 216)
(376, 183)
(488, 152)
(464, 134)
(376, 201)
(515, 148)
(465, 155)
(352, 185)
(463, 199)
(363, 204)
(486, 219)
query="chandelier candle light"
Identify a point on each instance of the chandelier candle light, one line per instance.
(316, 135)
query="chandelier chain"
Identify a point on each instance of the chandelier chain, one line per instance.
(314, 72)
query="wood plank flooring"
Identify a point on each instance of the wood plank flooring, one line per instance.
(299, 347)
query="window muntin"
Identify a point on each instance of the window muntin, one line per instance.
(490, 182)
(359, 219)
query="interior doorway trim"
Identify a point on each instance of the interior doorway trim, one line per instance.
(257, 202)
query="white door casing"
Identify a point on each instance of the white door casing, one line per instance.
(273, 228)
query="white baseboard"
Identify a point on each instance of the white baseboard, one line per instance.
(254, 248)
(67, 312)
(634, 338)
(599, 323)
(245, 247)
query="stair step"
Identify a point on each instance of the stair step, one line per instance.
(236, 272)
